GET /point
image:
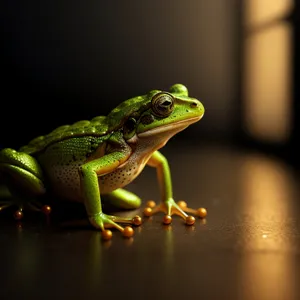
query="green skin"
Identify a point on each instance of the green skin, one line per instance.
(80, 162)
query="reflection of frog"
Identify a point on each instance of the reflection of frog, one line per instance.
(81, 161)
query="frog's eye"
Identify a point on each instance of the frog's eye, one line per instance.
(129, 128)
(162, 104)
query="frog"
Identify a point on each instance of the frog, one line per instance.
(90, 159)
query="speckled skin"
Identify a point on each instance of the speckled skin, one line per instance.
(81, 161)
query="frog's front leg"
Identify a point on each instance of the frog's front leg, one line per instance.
(168, 205)
(89, 173)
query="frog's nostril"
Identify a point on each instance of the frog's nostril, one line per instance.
(194, 104)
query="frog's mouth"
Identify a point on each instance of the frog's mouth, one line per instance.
(171, 127)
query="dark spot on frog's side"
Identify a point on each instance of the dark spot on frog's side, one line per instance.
(81, 171)
(147, 119)
(88, 155)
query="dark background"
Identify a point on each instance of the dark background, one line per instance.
(65, 62)
(62, 61)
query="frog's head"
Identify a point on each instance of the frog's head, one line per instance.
(159, 115)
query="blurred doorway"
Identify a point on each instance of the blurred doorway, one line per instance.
(268, 116)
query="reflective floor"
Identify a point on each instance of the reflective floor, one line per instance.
(248, 247)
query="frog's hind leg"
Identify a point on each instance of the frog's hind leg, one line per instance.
(6, 198)
(22, 176)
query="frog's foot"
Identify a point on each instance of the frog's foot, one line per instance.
(103, 221)
(33, 205)
(37, 206)
(5, 204)
(170, 207)
(18, 214)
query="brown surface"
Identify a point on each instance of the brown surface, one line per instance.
(248, 247)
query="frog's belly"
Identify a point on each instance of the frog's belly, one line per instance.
(65, 179)
(121, 177)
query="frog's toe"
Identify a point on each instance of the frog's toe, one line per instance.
(18, 214)
(167, 219)
(37, 206)
(127, 232)
(200, 212)
(106, 234)
(102, 221)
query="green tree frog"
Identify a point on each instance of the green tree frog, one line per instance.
(83, 161)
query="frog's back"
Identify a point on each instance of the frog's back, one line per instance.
(95, 127)
(98, 126)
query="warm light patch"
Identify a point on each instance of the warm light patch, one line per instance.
(262, 11)
(268, 265)
(266, 189)
(267, 85)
